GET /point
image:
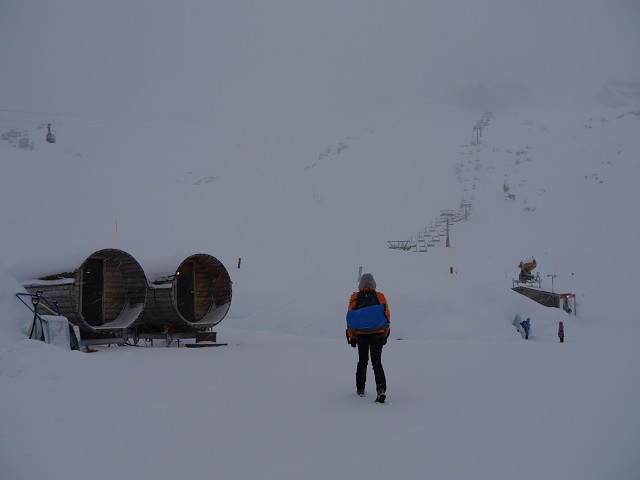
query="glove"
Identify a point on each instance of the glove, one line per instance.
(353, 342)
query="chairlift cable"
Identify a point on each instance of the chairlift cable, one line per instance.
(112, 117)
(123, 124)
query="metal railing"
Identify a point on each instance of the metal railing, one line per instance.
(37, 300)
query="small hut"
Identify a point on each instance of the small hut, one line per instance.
(185, 294)
(105, 291)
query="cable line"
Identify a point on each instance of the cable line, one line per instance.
(87, 116)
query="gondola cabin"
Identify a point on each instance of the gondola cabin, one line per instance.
(51, 138)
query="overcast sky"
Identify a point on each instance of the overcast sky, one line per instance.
(262, 60)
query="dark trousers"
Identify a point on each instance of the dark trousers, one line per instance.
(370, 343)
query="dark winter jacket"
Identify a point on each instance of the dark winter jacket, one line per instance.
(561, 331)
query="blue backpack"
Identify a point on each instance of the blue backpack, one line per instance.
(368, 315)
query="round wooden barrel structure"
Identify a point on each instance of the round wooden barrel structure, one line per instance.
(185, 294)
(106, 291)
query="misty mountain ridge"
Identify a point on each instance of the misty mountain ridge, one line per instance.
(293, 199)
(618, 93)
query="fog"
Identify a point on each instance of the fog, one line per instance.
(300, 137)
(246, 63)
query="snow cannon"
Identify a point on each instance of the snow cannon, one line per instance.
(526, 266)
(105, 291)
(185, 294)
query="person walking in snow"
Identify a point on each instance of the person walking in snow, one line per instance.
(526, 326)
(368, 320)
(561, 332)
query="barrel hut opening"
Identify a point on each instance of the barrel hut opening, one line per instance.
(193, 293)
(107, 291)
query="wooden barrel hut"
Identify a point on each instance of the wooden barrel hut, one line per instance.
(105, 291)
(185, 294)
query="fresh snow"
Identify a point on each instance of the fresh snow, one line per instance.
(306, 182)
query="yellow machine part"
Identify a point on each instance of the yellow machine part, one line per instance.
(527, 266)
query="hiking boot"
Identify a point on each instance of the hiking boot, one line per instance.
(361, 393)
(382, 395)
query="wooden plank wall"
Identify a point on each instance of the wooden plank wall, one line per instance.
(114, 294)
(203, 290)
(63, 294)
(222, 286)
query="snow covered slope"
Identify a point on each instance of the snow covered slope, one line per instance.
(302, 139)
